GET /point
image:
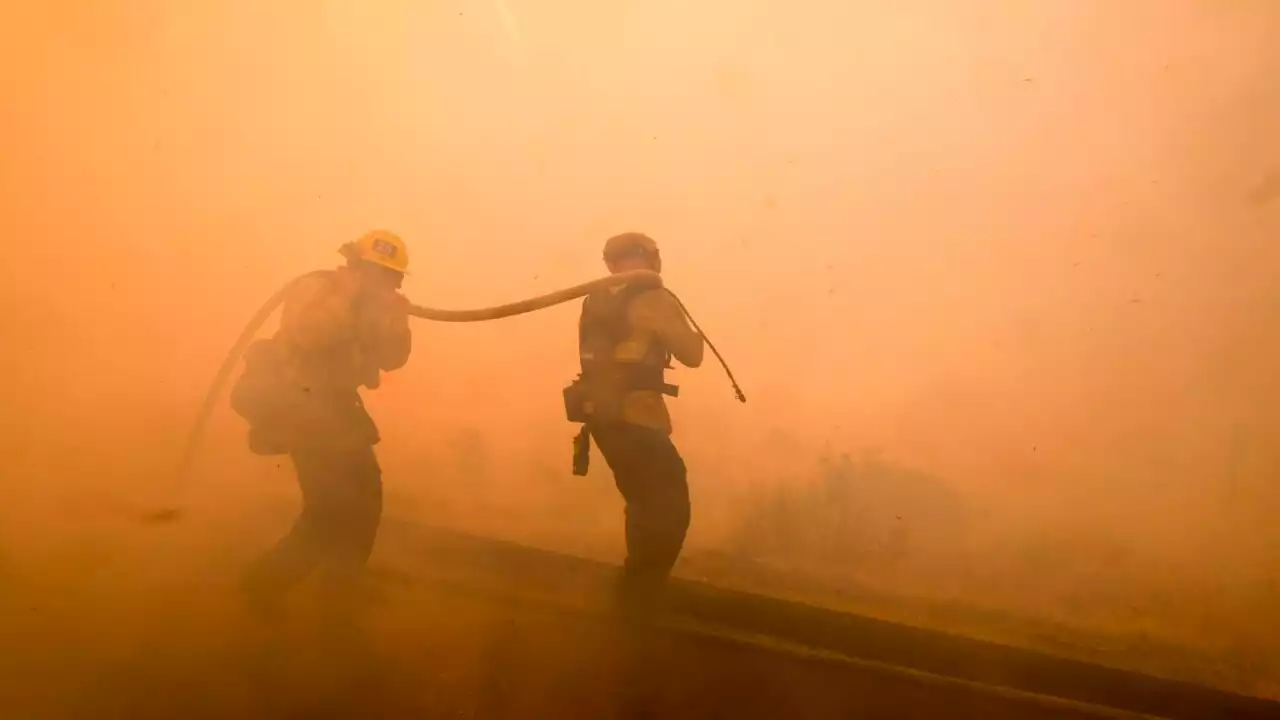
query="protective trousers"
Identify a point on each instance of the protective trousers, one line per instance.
(341, 511)
(652, 478)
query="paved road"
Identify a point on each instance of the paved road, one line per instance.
(441, 653)
(470, 628)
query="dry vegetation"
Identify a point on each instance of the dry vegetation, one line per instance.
(869, 535)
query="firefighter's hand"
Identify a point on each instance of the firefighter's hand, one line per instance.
(398, 304)
(386, 329)
(386, 307)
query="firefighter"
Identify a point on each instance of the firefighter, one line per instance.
(627, 337)
(339, 330)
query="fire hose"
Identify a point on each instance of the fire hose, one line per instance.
(496, 312)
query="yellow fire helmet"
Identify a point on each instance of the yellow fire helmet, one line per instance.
(380, 247)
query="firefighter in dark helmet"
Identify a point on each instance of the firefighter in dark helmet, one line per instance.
(627, 337)
(300, 391)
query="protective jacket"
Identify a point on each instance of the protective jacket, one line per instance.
(627, 338)
(301, 386)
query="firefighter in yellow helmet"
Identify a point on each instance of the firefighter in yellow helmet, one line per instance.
(627, 337)
(339, 330)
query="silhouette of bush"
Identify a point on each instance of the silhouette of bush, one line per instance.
(855, 511)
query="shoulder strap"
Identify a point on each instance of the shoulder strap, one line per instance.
(606, 311)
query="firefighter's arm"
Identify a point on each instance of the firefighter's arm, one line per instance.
(316, 316)
(388, 338)
(657, 312)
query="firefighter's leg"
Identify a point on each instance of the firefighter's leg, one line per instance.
(300, 552)
(651, 476)
(354, 528)
(659, 497)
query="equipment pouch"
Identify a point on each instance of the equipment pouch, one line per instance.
(262, 396)
(594, 398)
(575, 402)
(256, 394)
(582, 452)
(269, 440)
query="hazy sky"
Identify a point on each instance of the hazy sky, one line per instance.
(1028, 247)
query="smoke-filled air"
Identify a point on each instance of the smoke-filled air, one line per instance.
(1000, 281)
